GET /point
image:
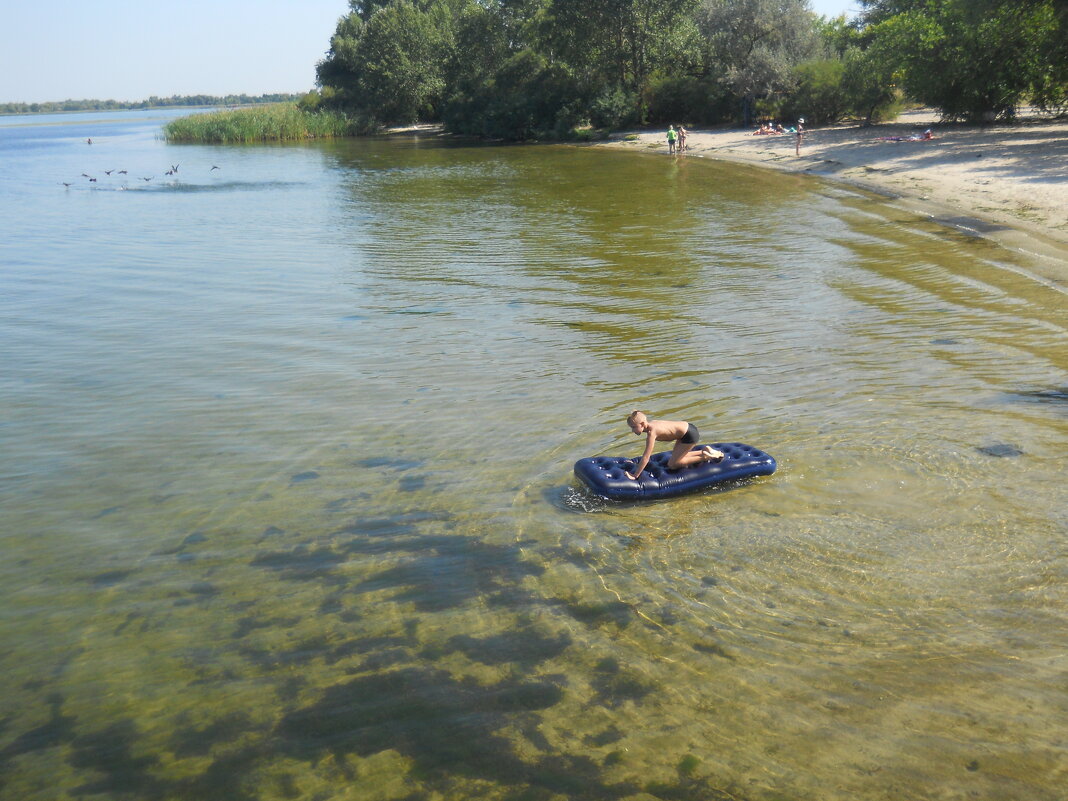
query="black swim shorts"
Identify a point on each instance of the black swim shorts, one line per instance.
(691, 436)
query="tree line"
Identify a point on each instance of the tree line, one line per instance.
(520, 69)
(152, 102)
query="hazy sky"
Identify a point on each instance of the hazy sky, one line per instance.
(131, 49)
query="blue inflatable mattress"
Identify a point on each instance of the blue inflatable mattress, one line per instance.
(606, 475)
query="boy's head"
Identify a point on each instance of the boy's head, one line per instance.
(637, 421)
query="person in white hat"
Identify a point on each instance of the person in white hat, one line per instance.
(800, 134)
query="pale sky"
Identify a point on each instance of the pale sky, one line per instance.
(131, 49)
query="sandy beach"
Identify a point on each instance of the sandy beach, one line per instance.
(1006, 182)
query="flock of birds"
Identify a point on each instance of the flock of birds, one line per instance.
(172, 171)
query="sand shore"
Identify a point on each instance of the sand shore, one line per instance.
(1006, 182)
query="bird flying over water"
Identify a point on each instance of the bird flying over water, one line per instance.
(149, 178)
(122, 172)
(108, 172)
(213, 167)
(174, 168)
(64, 183)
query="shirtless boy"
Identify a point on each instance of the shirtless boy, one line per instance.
(682, 433)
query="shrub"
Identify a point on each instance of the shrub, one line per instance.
(614, 108)
(527, 98)
(276, 122)
(820, 96)
(697, 100)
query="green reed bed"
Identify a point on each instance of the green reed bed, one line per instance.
(271, 123)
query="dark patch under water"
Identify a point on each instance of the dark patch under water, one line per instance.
(1053, 395)
(1001, 450)
(58, 730)
(247, 625)
(456, 572)
(456, 729)
(198, 741)
(615, 685)
(712, 648)
(390, 462)
(525, 647)
(411, 483)
(301, 563)
(110, 578)
(452, 730)
(599, 614)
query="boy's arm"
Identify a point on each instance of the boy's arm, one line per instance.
(650, 443)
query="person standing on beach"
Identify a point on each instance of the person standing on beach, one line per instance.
(682, 139)
(799, 133)
(671, 139)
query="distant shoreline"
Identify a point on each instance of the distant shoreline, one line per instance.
(102, 110)
(1009, 180)
(19, 108)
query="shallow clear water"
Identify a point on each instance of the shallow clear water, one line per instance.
(288, 512)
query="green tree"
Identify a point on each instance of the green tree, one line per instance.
(616, 45)
(819, 94)
(756, 44)
(363, 9)
(869, 76)
(338, 71)
(973, 59)
(526, 98)
(870, 82)
(391, 65)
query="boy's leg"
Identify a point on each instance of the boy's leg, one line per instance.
(682, 456)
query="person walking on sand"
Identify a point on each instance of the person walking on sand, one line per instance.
(684, 434)
(682, 139)
(671, 139)
(800, 134)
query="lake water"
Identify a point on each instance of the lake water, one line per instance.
(288, 509)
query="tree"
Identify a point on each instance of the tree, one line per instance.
(617, 44)
(757, 43)
(338, 71)
(974, 59)
(363, 9)
(820, 94)
(869, 78)
(391, 66)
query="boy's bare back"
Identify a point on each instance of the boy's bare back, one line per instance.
(662, 430)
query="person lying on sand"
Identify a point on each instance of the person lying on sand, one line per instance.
(924, 137)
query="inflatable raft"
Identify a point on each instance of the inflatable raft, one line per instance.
(606, 475)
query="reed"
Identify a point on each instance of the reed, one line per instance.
(275, 122)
